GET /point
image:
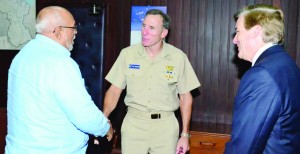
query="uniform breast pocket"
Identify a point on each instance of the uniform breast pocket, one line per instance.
(135, 80)
(134, 76)
(170, 77)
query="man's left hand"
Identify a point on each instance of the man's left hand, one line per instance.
(182, 145)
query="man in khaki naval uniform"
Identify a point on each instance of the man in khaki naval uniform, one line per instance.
(154, 74)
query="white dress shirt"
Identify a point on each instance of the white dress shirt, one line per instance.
(49, 109)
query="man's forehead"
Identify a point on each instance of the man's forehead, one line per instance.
(153, 20)
(154, 17)
(240, 21)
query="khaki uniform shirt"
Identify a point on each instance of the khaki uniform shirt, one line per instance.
(153, 84)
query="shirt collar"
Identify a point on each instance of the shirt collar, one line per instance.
(260, 51)
(55, 45)
(164, 52)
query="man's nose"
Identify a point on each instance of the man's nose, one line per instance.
(235, 40)
(144, 31)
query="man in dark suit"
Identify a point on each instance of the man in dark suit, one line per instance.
(267, 105)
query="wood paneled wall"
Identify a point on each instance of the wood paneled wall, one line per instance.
(204, 29)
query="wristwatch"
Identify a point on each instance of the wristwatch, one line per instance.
(187, 135)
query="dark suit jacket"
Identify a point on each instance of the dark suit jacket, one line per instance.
(266, 116)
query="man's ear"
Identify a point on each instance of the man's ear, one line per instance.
(256, 31)
(164, 33)
(57, 33)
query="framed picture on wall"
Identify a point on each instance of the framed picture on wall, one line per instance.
(17, 23)
(137, 17)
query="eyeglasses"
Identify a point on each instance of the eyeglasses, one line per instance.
(75, 28)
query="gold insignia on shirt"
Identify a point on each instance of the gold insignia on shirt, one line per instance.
(169, 72)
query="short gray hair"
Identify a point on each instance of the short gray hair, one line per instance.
(166, 18)
(48, 18)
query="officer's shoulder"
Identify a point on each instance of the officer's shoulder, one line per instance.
(174, 50)
(134, 47)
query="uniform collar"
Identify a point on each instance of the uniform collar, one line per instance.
(164, 52)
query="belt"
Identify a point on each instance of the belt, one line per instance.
(155, 116)
(149, 115)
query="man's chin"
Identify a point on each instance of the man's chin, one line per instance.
(240, 56)
(70, 48)
(145, 44)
